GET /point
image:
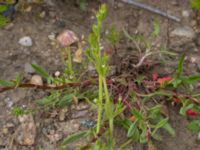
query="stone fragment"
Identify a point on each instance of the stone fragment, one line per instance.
(183, 32)
(26, 132)
(26, 41)
(36, 79)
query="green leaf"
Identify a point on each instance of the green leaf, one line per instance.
(157, 136)
(113, 35)
(124, 123)
(3, 21)
(40, 71)
(195, 4)
(143, 138)
(18, 80)
(49, 100)
(169, 129)
(6, 83)
(196, 108)
(65, 100)
(132, 130)
(185, 107)
(194, 126)
(160, 125)
(83, 5)
(137, 114)
(191, 79)
(119, 108)
(155, 112)
(3, 8)
(176, 82)
(75, 137)
(156, 109)
(156, 26)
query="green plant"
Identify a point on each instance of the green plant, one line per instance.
(113, 36)
(146, 124)
(195, 4)
(3, 20)
(144, 105)
(19, 111)
(156, 26)
(100, 61)
(83, 4)
(56, 98)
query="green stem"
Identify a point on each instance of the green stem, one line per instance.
(69, 61)
(125, 144)
(108, 107)
(100, 104)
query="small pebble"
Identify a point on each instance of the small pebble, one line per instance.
(183, 32)
(5, 131)
(79, 114)
(25, 41)
(9, 26)
(120, 5)
(57, 73)
(9, 102)
(193, 23)
(198, 136)
(68, 127)
(88, 123)
(26, 131)
(82, 106)
(185, 13)
(62, 114)
(42, 14)
(36, 79)
(52, 36)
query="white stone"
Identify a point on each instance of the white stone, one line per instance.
(52, 37)
(185, 13)
(198, 136)
(25, 41)
(184, 32)
(57, 73)
(37, 80)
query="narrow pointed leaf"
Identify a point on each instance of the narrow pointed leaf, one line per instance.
(40, 70)
(75, 137)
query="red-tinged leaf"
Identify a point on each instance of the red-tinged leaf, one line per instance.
(163, 80)
(192, 113)
(176, 99)
(155, 76)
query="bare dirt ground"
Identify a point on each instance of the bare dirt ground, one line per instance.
(66, 15)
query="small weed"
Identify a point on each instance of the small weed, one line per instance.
(113, 36)
(195, 4)
(100, 61)
(156, 26)
(136, 104)
(3, 20)
(19, 111)
(83, 5)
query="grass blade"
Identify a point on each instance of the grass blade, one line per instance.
(75, 137)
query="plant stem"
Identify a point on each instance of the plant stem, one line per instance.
(108, 107)
(69, 61)
(100, 104)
